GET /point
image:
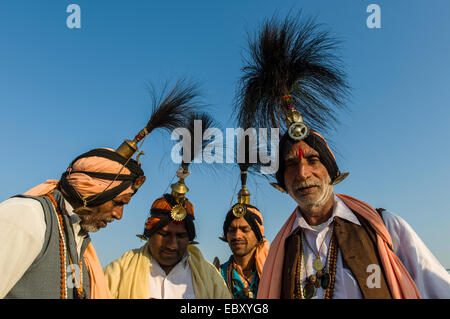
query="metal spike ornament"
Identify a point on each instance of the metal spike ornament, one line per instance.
(297, 129)
(239, 209)
(128, 148)
(179, 190)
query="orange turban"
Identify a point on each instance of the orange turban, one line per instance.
(160, 216)
(96, 177)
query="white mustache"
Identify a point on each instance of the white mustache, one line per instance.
(306, 184)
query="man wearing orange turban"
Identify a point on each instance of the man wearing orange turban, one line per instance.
(46, 249)
(245, 236)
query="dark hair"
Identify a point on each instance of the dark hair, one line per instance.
(251, 218)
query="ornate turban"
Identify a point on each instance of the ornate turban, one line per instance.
(96, 177)
(161, 214)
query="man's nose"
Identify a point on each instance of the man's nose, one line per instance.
(238, 234)
(172, 242)
(303, 170)
(117, 213)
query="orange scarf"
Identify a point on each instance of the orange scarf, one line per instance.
(399, 281)
(99, 288)
(262, 248)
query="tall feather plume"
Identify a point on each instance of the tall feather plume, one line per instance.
(168, 113)
(173, 111)
(290, 57)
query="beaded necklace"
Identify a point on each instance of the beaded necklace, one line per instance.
(324, 277)
(63, 253)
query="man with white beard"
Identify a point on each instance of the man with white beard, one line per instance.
(332, 246)
(335, 246)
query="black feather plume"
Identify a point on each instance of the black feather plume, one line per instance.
(291, 57)
(172, 111)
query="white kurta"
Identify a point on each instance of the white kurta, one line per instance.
(431, 278)
(175, 285)
(22, 233)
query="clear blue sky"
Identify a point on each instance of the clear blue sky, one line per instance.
(64, 91)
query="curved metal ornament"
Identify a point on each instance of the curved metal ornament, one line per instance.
(239, 210)
(298, 131)
(141, 237)
(178, 213)
(138, 182)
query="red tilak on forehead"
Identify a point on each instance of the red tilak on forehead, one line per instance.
(299, 153)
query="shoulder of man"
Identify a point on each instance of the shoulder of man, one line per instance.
(22, 234)
(27, 214)
(198, 259)
(220, 290)
(125, 261)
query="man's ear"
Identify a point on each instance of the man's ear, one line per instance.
(340, 178)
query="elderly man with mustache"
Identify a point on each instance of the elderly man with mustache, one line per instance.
(46, 248)
(335, 246)
(332, 246)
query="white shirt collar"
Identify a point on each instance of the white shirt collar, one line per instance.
(74, 218)
(339, 210)
(183, 263)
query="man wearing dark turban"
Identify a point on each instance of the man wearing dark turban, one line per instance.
(335, 246)
(245, 236)
(332, 246)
